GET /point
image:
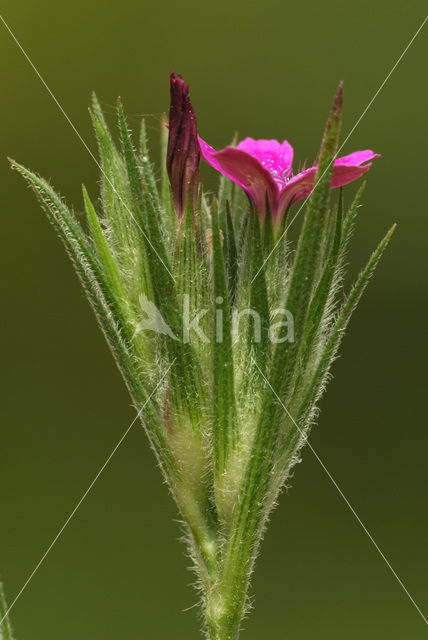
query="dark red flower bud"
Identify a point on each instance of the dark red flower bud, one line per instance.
(183, 152)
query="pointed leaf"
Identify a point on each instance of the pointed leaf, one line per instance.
(103, 303)
(5, 626)
(224, 431)
(147, 167)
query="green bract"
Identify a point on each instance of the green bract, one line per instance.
(5, 628)
(224, 334)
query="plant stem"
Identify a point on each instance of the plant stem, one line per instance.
(223, 613)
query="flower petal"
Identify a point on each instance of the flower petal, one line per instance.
(246, 171)
(350, 167)
(276, 157)
(357, 158)
(299, 187)
(208, 154)
(346, 169)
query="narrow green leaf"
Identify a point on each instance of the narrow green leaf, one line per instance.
(322, 292)
(124, 232)
(298, 301)
(112, 163)
(158, 264)
(103, 250)
(231, 257)
(225, 191)
(5, 626)
(133, 170)
(103, 303)
(258, 345)
(147, 167)
(242, 547)
(309, 253)
(224, 199)
(317, 383)
(164, 133)
(349, 306)
(248, 518)
(350, 216)
(97, 112)
(240, 206)
(223, 380)
(148, 214)
(141, 342)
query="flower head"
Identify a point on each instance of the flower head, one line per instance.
(263, 168)
(183, 153)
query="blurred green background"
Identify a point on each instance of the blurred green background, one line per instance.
(267, 70)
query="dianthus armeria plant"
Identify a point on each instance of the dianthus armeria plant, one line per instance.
(224, 331)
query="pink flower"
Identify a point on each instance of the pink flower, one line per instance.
(263, 168)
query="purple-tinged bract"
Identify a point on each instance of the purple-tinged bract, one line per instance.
(183, 153)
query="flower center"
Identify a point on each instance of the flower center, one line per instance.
(274, 163)
(281, 178)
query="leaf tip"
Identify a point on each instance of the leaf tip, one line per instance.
(94, 101)
(338, 99)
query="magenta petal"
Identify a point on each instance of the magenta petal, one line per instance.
(246, 171)
(350, 167)
(263, 168)
(276, 157)
(346, 169)
(357, 158)
(296, 189)
(208, 154)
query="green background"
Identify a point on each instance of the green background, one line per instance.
(266, 69)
